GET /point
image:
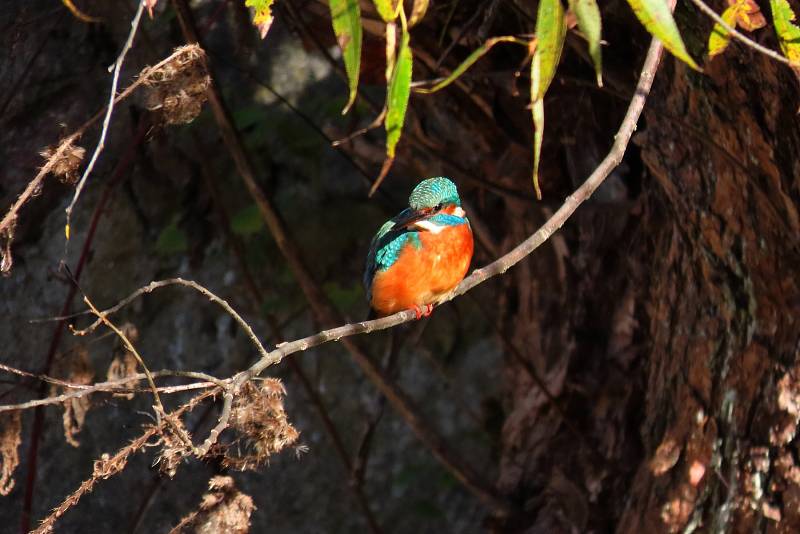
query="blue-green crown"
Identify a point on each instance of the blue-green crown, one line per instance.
(434, 192)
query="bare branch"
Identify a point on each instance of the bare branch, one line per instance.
(109, 111)
(128, 345)
(111, 386)
(107, 466)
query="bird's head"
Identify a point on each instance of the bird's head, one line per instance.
(436, 195)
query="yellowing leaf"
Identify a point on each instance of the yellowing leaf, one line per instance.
(80, 15)
(656, 17)
(749, 16)
(471, 60)
(788, 32)
(418, 11)
(720, 38)
(346, 17)
(588, 15)
(388, 9)
(397, 95)
(551, 29)
(263, 15)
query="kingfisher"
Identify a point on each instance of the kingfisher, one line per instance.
(418, 258)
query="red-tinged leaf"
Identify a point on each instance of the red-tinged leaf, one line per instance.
(588, 15)
(551, 29)
(346, 17)
(387, 164)
(398, 94)
(788, 33)
(749, 16)
(471, 60)
(388, 9)
(656, 17)
(720, 38)
(262, 18)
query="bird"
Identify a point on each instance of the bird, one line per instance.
(418, 258)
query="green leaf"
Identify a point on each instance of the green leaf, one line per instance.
(387, 9)
(719, 39)
(471, 60)
(247, 221)
(656, 17)
(551, 28)
(398, 93)
(171, 240)
(788, 32)
(588, 15)
(346, 16)
(263, 16)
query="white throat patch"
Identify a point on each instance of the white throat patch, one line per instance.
(429, 226)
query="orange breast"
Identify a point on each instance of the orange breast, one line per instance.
(424, 275)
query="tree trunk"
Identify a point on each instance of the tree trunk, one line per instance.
(671, 335)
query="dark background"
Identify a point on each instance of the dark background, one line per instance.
(663, 317)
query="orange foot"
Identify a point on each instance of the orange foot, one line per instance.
(420, 314)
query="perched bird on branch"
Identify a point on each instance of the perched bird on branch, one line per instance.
(417, 258)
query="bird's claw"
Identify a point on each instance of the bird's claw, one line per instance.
(420, 313)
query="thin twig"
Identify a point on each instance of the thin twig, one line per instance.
(149, 288)
(111, 383)
(110, 466)
(702, 6)
(34, 186)
(114, 386)
(128, 345)
(111, 101)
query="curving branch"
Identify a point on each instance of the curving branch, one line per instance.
(467, 477)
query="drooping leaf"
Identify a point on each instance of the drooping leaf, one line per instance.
(346, 17)
(396, 101)
(387, 9)
(588, 15)
(551, 29)
(788, 33)
(397, 96)
(263, 15)
(719, 39)
(656, 17)
(537, 109)
(418, 11)
(471, 60)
